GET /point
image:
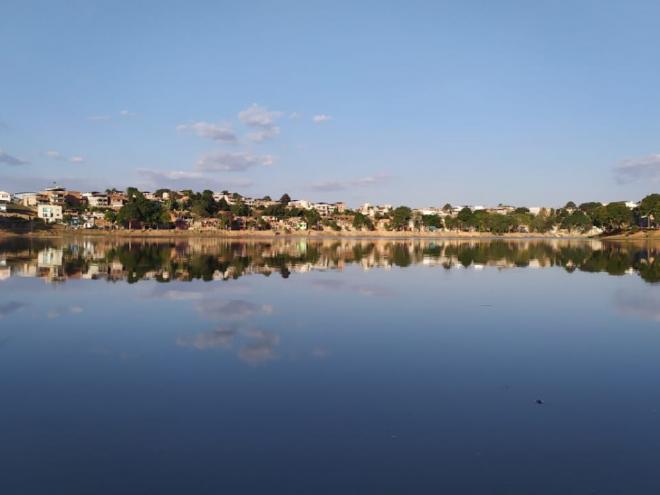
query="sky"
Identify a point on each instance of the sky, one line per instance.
(417, 103)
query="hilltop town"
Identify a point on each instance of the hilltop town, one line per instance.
(224, 211)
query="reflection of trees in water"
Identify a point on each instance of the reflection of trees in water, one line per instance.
(215, 258)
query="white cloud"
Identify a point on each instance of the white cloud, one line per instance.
(319, 119)
(232, 309)
(339, 185)
(232, 162)
(261, 347)
(645, 305)
(216, 132)
(8, 159)
(55, 155)
(263, 120)
(126, 113)
(181, 179)
(9, 307)
(258, 116)
(295, 115)
(218, 338)
(263, 135)
(646, 168)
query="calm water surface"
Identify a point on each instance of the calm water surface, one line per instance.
(208, 366)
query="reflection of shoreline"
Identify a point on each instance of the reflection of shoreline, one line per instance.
(222, 259)
(269, 235)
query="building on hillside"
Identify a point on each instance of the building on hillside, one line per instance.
(324, 209)
(375, 210)
(97, 199)
(50, 213)
(116, 200)
(632, 204)
(31, 199)
(55, 195)
(5, 197)
(501, 209)
(219, 196)
(340, 206)
(74, 198)
(302, 204)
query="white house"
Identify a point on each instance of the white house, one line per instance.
(97, 200)
(300, 203)
(5, 197)
(50, 213)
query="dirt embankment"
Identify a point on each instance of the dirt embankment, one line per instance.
(59, 231)
(640, 235)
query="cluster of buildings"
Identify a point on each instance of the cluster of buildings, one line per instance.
(88, 209)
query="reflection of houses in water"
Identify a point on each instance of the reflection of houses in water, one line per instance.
(5, 271)
(223, 259)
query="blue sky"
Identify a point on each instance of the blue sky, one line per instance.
(415, 103)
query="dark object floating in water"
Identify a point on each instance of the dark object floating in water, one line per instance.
(539, 401)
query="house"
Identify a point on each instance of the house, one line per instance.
(324, 209)
(116, 200)
(301, 204)
(31, 199)
(74, 198)
(55, 195)
(375, 210)
(340, 206)
(5, 197)
(97, 199)
(50, 213)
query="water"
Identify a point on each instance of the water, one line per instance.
(294, 366)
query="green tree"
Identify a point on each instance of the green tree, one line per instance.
(312, 217)
(285, 199)
(432, 221)
(361, 221)
(401, 217)
(650, 207)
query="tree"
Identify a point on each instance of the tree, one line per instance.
(240, 209)
(432, 221)
(285, 199)
(401, 217)
(361, 221)
(570, 204)
(578, 220)
(312, 217)
(447, 208)
(464, 218)
(618, 215)
(650, 208)
(138, 209)
(590, 207)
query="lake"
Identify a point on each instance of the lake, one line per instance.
(211, 366)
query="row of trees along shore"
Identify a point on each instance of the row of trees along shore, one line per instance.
(142, 212)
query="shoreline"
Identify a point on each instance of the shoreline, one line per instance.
(268, 235)
(246, 234)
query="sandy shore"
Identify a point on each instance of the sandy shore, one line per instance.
(642, 235)
(246, 234)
